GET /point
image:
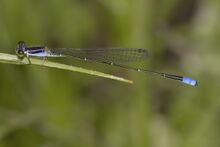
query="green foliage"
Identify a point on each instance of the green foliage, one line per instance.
(12, 59)
(49, 107)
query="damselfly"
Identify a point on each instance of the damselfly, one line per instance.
(110, 56)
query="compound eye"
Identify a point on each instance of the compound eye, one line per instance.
(20, 49)
(20, 52)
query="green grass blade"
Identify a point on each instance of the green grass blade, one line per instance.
(12, 59)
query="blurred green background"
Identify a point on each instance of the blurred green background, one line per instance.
(42, 107)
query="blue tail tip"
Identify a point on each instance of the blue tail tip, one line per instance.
(189, 81)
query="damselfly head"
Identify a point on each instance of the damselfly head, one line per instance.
(20, 49)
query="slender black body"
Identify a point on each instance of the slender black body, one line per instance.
(111, 56)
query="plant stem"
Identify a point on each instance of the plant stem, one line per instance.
(12, 59)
